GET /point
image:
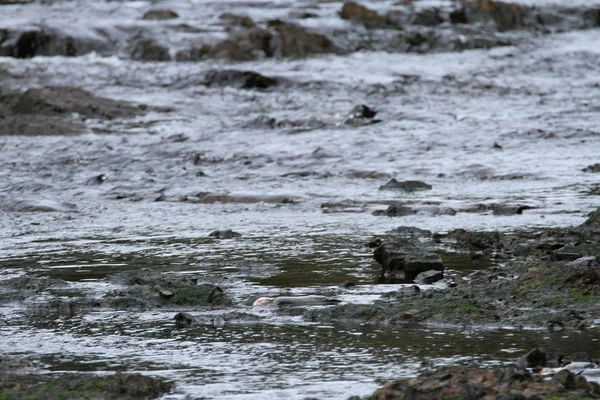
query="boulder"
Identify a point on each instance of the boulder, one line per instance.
(200, 295)
(594, 168)
(358, 13)
(160, 14)
(407, 186)
(429, 277)
(42, 40)
(395, 210)
(238, 79)
(294, 41)
(405, 261)
(145, 48)
(224, 234)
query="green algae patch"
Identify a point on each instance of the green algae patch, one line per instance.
(82, 386)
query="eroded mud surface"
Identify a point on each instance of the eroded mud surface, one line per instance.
(133, 135)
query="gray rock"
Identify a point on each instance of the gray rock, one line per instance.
(224, 234)
(429, 277)
(238, 79)
(183, 319)
(407, 186)
(395, 210)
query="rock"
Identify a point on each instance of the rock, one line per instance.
(238, 79)
(165, 294)
(294, 41)
(409, 232)
(429, 277)
(565, 378)
(408, 186)
(143, 48)
(224, 234)
(56, 110)
(395, 210)
(505, 15)
(555, 326)
(593, 220)
(160, 14)
(509, 210)
(374, 243)
(348, 284)
(465, 383)
(407, 259)
(27, 42)
(200, 295)
(361, 115)
(458, 16)
(96, 180)
(235, 20)
(183, 319)
(536, 358)
(245, 45)
(87, 386)
(595, 168)
(427, 17)
(360, 14)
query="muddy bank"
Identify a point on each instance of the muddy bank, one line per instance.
(548, 279)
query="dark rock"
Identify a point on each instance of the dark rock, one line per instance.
(429, 277)
(536, 358)
(56, 111)
(565, 378)
(428, 17)
(246, 45)
(409, 232)
(235, 20)
(48, 41)
(374, 243)
(360, 14)
(238, 79)
(595, 168)
(348, 284)
(555, 326)
(509, 210)
(581, 356)
(593, 220)
(464, 383)
(294, 41)
(458, 16)
(183, 319)
(404, 258)
(86, 386)
(200, 295)
(224, 234)
(361, 115)
(96, 180)
(408, 186)
(395, 210)
(143, 48)
(160, 14)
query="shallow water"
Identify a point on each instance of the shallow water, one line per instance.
(441, 115)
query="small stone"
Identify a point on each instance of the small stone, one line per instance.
(407, 186)
(183, 319)
(374, 243)
(96, 180)
(165, 294)
(224, 234)
(160, 14)
(555, 326)
(348, 284)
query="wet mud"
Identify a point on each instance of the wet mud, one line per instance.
(412, 185)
